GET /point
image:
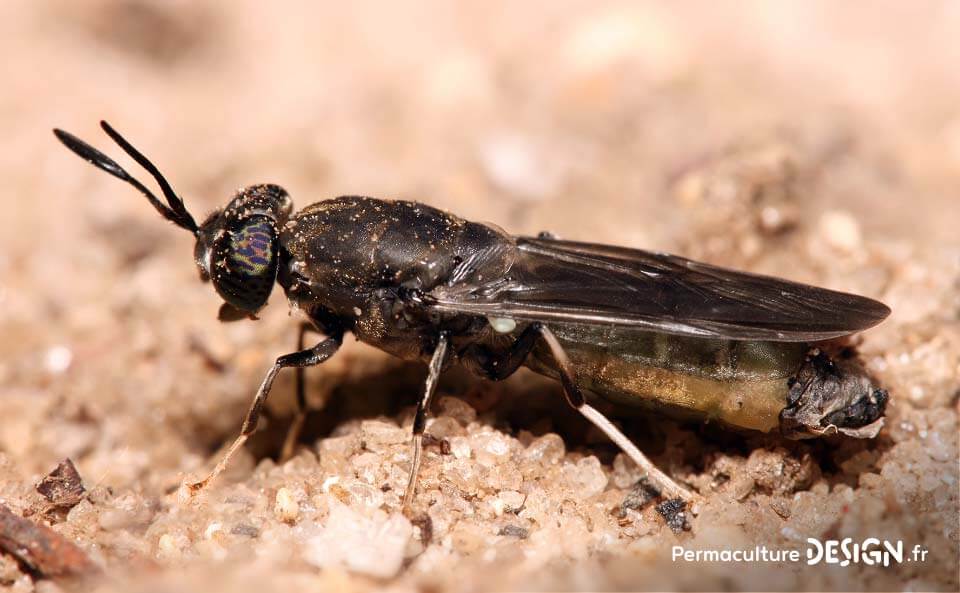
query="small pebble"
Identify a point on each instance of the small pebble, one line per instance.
(492, 448)
(57, 359)
(377, 436)
(586, 477)
(212, 529)
(548, 449)
(371, 546)
(512, 500)
(514, 531)
(642, 493)
(455, 408)
(673, 512)
(840, 230)
(245, 530)
(170, 546)
(286, 507)
(460, 447)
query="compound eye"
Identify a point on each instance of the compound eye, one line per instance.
(244, 265)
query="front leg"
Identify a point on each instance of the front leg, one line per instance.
(302, 358)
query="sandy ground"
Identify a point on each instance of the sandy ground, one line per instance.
(818, 141)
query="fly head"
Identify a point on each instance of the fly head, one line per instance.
(237, 246)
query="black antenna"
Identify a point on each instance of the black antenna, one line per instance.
(176, 212)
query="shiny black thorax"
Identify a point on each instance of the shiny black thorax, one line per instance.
(368, 266)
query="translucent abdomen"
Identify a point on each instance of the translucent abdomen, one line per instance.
(740, 383)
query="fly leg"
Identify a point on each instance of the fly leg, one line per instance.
(293, 433)
(302, 358)
(575, 398)
(498, 366)
(420, 420)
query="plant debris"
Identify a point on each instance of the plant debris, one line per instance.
(642, 494)
(674, 513)
(514, 531)
(63, 487)
(40, 549)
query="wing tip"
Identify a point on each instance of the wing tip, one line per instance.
(872, 312)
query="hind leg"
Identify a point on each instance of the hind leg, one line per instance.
(499, 365)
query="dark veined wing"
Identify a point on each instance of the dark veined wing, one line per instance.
(566, 281)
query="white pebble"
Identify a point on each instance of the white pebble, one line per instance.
(512, 500)
(170, 546)
(840, 230)
(329, 482)
(286, 507)
(378, 436)
(57, 359)
(548, 449)
(212, 529)
(792, 534)
(491, 448)
(460, 447)
(586, 477)
(371, 546)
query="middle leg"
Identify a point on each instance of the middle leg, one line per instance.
(420, 419)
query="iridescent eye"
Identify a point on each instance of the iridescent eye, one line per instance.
(245, 262)
(251, 248)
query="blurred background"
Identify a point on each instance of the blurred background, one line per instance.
(815, 140)
(566, 114)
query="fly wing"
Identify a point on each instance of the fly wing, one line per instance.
(566, 281)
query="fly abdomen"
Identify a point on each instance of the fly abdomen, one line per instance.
(744, 384)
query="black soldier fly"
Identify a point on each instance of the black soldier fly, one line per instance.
(632, 326)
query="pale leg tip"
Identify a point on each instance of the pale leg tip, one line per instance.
(292, 438)
(188, 491)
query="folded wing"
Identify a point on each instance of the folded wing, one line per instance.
(566, 281)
